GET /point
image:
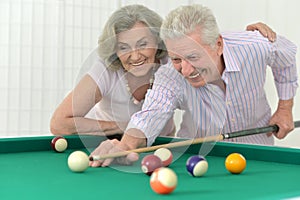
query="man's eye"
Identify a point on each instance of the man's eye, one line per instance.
(176, 60)
(193, 58)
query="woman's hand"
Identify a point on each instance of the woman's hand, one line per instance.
(264, 29)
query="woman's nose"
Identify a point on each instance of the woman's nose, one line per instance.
(135, 54)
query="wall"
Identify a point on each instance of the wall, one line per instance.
(44, 43)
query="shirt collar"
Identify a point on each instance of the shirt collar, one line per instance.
(229, 58)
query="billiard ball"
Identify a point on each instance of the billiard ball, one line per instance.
(235, 163)
(150, 163)
(165, 155)
(163, 180)
(59, 144)
(196, 165)
(78, 161)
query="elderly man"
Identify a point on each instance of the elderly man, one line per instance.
(218, 79)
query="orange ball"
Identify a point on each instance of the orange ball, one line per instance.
(163, 180)
(235, 163)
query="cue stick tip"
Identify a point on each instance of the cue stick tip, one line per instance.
(93, 158)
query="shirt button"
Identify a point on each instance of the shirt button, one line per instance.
(232, 119)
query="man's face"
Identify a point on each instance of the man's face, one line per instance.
(197, 62)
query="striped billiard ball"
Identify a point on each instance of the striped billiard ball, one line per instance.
(165, 155)
(196, 165)
(150, 163)
(163, 180)
(59, 144)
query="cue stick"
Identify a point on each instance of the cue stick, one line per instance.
(216, 138)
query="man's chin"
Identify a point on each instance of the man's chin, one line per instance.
(197, 84)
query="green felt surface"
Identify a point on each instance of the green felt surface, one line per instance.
(44, 174)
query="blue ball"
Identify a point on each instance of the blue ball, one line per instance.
(196, 165)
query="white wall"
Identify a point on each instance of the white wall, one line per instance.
(43, 43)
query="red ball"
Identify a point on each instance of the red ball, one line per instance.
(163, 180)
(150, 163)
(165, 155)
(59, 144)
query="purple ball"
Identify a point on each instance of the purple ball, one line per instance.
(196, 165)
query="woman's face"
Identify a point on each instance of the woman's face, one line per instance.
(136, 48)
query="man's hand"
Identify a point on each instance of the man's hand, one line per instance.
(283, 117)
(132, 139)
(112, 146)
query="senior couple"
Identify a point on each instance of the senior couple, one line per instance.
(148, 67)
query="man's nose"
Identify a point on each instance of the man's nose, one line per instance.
(186, 68)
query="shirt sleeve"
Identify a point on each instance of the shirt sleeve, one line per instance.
(160, 104)
(101, 75)
(283, 64)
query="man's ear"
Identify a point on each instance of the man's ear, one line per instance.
(219, 45)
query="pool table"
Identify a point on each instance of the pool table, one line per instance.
(30, 169)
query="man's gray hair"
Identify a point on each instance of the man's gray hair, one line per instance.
(185, 19)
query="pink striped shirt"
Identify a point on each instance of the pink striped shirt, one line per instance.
(210, 111)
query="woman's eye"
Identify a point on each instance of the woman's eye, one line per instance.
(142, 45)
(123, 48)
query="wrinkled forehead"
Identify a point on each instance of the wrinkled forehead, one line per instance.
(135, 33)
(185, 45)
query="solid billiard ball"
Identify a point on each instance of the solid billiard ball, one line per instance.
(196, 165)
(235, 163)
(78, 161)
(165, 155)
(163, 180)
(150, 163)
(59, 144)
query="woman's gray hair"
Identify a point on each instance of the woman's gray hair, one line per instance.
(122, 20)
(185, 19)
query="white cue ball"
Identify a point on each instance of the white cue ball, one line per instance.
(78, 161)
(165, 155)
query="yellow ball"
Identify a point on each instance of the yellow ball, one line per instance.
(235, 163)
(78, 161)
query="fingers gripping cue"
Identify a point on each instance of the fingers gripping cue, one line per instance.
(254, 131)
